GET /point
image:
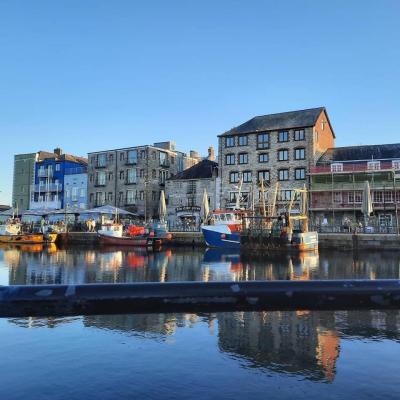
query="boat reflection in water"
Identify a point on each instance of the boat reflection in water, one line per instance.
(303, 344)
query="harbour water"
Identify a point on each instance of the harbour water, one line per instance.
(307, 355)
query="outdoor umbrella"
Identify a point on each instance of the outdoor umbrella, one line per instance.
(367, 202)
(205, 209)
(162, 209)
(9, 213)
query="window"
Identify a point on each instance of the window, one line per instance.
(82, 192)
(396, 164)
(163, 158)
(163, 176)
(283, 155)
(131, 157)
(110, 158)
(230, 141)
(284, 195)
(58, 167)
(191, 201)
(121, 175)
(387, 196)
(300, 153)
(263, 141)
(283, 174)
(67, 194)
(141, 173)
(91, 197)
(337, 197)
(101, 160)
(100, 198)
(263, 175)
(120, 197)
(232, 197)
(154, 174)
(397, 195)
(143, 154)
(110, 176)
(121, 156)
(131, 176)
(336, 167)
(246, 176)
(377, 197)
(101, 178)
(243, 140)
(300, 173)
(130, 196)
(355, 197)
(230, 159)
(299, 134)
(243, 158)
(234, 177)
(74, 196)
(110, 197)
(141, 195)
(263, 157)
(153, 155)
(283, 136)
(153, 195)
(374, 165)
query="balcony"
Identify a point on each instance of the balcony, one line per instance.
(45, 205)
(130, 181)
(132, 161)
(99, 184)
(52, 187)
(100, 165)
(43, 173)
(353, 167)
(165, 164)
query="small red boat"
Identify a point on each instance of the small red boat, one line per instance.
(138, 241)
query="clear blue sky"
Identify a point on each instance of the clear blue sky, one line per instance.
(92, 75)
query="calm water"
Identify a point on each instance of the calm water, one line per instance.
(307, 355)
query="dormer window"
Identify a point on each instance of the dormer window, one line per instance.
(373, 165)
(336, 167)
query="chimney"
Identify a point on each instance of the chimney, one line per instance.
(194, 154)
(211, 153)
(58, 151)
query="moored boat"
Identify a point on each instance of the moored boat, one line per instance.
(138, 241)
(29, 238)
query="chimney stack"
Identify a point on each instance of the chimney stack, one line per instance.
(58, 151)
(211, 153)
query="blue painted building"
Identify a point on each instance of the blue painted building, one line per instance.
(48, 191)
(75, 187)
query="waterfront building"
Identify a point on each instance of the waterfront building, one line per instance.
(338, 181)
(24, 178)
(185, 191)
(133, 177)
(276, 148)
(48, 189)
(75, 184)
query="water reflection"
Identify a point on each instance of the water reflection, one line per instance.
(303, 343)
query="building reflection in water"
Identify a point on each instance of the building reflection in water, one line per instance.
(301, 343)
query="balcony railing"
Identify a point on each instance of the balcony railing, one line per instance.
(52, 187)
(45, 172)
(165, 164)
(130, 181)
(132, 161)
(99, 184)
(40, 205)
(352, 167)
(74, 171)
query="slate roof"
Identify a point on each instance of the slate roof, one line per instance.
(361, 153)
(43, 155)
(202, 170)
(285, 120)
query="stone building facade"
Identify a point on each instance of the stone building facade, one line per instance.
(132, 178)
(276, 148)
(185, 193)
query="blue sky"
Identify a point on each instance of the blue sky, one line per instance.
(92, 75)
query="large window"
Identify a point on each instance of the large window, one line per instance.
(263, 157)
(336, 167)
(131, 176)
(131, 157)
(299, 173)
(300, 153)
(299, 134)
(263, 175)
(396, 164)
(284, 195)
(355, 197)
(101, 178)
(243, 140)
(243, 158)
(130, 197)
(230, 141)
(234, 177)
(283, 174)
(101, 160)
(163, 159)
(246, 176)
(337, 197)
(377, 197)
(230, 159)
(283, 136)
(263, 141)
(283, 155)
(373, 165)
